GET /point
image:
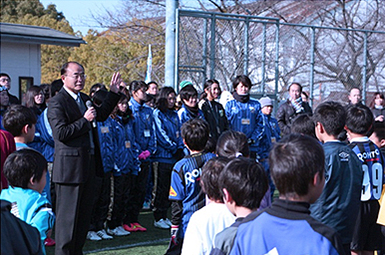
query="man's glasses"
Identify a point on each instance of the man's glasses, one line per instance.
(77, 76)
(4, 80)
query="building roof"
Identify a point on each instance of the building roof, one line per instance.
(37, 35)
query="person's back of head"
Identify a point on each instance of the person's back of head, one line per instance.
(245, 181)
(195, 134)
(99, 96)
(56, 85)
(303, 124)
(332, 116)
(209, 179)
(17, 117)
(232, 144)
(23, 167)
(295, 163)
(378, 136)
(359, 119)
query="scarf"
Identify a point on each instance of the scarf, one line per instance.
(194, 111)
(297, 104)
(123, 116)
(241, 98)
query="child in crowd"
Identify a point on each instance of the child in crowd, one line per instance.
(102, 184)
(243, 183)
(144, 133)
(189, 110)
(287, 227)
(359, 122)
(126, 166)
(169, 151)
(212, 218)
(272, 129)
(234, 144)
(339, 202)
(213, 111)
(26, 172)
(185, 191)
(20, 121)
(378, 135)
(303, 124)
(244, 115)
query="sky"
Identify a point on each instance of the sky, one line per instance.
(78, 12)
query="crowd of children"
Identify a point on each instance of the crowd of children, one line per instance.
(216, 167)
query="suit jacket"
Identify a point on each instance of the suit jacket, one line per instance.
(71, 134)
(286, 114)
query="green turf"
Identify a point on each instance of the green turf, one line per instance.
(152, 242)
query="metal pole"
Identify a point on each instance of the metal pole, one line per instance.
(263, 59)
(204, 52)
(312, 65)
(364, 67)
(170, 58)
(212, 48)
(246, 48)
(276, 65)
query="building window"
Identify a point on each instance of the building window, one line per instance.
(24, 84)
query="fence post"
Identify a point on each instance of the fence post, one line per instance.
(246, 48)
(364, 67)
(264, 59)
(170, 58)
(212, 48)
(312, 65)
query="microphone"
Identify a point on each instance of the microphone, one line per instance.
(89, 105)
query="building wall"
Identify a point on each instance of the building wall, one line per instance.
(20, 60)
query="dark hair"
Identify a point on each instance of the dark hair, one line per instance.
(152, 82)
(232, 142)
(210, 145)
(195, 133)
(114, 112)
(99, 96)
(244, 79)
(20, 166)
(332, 116)
(209, 178)
(46, 88)
(137, 85)
(63, 69)
(161, 100)
(208, 84)
(359, 119)
(188, 92)
(95, 88)
(295, 83)
(56, 85)
(4, 74)
(30, 96)
(305, 94)
(246, 182)
(372, 103)
(294, 161)
(16, 117)
(379, 129)
(303, 124)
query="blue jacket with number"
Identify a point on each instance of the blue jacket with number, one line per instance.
(106, 131)
(143, 125)
(247, 118)
(168, 136)
(127, 150)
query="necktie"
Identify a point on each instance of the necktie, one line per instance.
(83, 109)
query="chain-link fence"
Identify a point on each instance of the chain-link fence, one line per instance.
(327, 61)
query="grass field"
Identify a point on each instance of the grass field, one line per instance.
(152, 242)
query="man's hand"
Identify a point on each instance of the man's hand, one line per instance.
(90, 114)
(115, 82)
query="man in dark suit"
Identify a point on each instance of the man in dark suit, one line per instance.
(77, 155)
